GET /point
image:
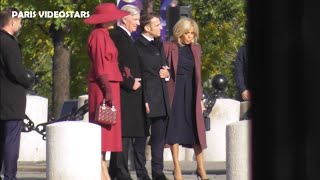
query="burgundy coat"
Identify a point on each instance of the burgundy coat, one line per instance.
(104, 61)
(171, 50)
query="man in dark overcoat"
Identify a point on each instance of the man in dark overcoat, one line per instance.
(13, 85)
(134, 125)
(240, 73)
(155, 71)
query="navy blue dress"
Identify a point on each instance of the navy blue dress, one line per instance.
(182, 125)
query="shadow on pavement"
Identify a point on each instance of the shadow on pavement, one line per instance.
(209, 172)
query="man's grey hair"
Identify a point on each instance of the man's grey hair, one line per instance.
(133, 10)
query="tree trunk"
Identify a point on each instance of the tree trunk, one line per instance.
(148, 6)
(60, 72)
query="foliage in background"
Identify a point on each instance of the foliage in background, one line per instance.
(222, 32)
(38, 48)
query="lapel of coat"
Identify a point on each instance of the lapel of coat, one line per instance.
(175, 57)
(124, 33)
(160, 47)
(195, 51)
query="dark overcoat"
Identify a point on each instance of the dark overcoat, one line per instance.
(171, 50)
(132, 101)
(155, 89)
(13, 79)
(240, 72)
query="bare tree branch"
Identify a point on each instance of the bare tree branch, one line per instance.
(43, 29)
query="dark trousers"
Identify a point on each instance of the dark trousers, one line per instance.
(139, 149)
(118, 167)
(158, 134)
(10, 132)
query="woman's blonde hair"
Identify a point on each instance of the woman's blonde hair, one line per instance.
(183, 26)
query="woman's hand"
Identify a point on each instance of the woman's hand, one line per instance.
(202, 106)
(105, 87)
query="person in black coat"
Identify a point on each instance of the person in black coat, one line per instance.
(155, 70)
(241, 75)
(134, 122)
(13, 85)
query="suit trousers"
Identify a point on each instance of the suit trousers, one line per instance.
(118, 168)
(10, 133)
(139, 149)
(157, 138)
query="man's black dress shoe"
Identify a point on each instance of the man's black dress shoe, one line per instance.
(122, 178)
(144, 178)
(160, 177)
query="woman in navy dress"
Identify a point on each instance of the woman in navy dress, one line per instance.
(186, 124)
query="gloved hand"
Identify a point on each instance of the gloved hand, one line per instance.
(105, 87)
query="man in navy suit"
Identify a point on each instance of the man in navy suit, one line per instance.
(155, 71)
(13, 85)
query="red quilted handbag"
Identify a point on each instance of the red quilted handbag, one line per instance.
(105, 114)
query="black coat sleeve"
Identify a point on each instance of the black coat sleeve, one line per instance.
(128, 79)
(239, 69)
(13, 60)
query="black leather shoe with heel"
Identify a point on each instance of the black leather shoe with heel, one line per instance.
(199, 176)
(175, 177)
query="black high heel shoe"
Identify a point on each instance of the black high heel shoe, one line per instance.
(199, 176)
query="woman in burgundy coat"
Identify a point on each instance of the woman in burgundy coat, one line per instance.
(104, 76)
(186, 124)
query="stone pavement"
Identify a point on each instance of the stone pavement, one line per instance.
(215, 170)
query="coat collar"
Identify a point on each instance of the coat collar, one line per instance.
(124, 29)
(8, 34)
(11, 36)
(125, 33)
(146, 42)
(143, 40)
(175, 54)
(148, 38)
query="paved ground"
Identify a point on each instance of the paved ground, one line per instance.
(215, 170)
